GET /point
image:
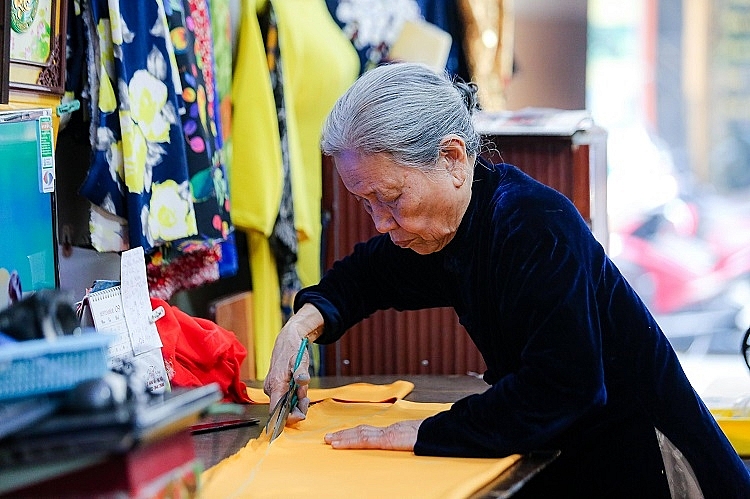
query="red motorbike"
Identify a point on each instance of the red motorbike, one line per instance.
(689, 260)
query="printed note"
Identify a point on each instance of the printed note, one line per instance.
(136, 302)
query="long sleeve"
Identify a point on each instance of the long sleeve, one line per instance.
(377, 275)
(575, 360)
(545, 308)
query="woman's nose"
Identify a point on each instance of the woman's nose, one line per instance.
(383, 219)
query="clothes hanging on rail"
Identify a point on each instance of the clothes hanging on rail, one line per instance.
(197, 260)
(445, 15)
(373, 25)
(138, 179)
(283, 239)
(221, 30)
(190, 32)
(317, 63)
(256, 180)
(488, 44)
(157, 176)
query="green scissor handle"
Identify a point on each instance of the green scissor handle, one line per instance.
(286, 403)
(293, 384)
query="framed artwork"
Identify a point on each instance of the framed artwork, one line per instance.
(34, 45)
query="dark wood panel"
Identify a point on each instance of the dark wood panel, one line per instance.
(553, 160)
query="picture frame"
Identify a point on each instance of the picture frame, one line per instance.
(33, 34)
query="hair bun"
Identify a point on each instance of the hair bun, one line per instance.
(468, 93)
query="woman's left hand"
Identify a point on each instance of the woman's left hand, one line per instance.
(398, 436)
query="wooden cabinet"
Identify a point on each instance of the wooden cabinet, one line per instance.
(432, 341)
(574, 164)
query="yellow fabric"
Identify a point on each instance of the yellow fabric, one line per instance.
(266, 299)
(319, 63)
(256, 177)
(354, 392)
(299, 464)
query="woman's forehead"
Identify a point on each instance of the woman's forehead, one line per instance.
(370, 172)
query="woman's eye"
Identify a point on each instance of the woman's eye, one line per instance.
(366, 204)
(392, 200)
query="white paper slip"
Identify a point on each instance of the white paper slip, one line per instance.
(136, 302)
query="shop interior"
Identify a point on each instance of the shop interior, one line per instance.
(635, 111)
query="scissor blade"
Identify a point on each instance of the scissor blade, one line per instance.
(283, 415)
(284, 406)
(276, 415)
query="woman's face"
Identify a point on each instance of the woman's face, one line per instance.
(418, 211)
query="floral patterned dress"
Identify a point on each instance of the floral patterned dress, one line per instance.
(157, 177)
(138, 179)
(197, 260)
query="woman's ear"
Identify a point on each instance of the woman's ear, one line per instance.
(453, 152)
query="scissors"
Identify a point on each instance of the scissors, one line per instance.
(283, 407)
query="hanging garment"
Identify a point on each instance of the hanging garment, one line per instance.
(221, 32)
(314, 55)
(138, 179)
(256, 177)
(190, 32)
(445, 15)
(319, 64)
(262, 470)
(283, 240)
(73, 145)
(372, 25)
(488, 43)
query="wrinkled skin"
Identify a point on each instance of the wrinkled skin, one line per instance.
(306, 322)
(398, 436)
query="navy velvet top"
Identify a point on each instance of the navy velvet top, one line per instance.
(575, 360)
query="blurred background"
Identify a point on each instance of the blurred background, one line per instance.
(670, 82)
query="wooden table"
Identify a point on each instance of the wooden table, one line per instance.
(214, 446)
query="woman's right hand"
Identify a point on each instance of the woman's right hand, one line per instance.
(307, 322)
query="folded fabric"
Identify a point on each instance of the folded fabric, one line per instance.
(353, 392)
(198, 352)
(299, 463)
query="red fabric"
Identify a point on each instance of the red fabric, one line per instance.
(198, 352)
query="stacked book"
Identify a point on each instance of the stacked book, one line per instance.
(138, 448)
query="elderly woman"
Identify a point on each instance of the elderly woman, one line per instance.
(575, 360)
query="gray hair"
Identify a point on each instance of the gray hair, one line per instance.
(404, 109)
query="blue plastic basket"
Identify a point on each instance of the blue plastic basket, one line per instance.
(34, 367)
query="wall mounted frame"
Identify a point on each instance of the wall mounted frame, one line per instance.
(33, 51)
